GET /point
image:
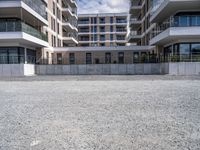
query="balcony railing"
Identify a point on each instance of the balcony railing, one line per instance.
(73, 35)
(71, 21)
(176, 21)
(18, 26)
(37, 5)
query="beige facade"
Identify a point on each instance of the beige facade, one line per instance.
(102, 29)
(101, 55)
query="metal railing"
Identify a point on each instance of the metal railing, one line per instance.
(17, 26)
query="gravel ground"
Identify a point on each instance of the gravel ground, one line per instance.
(100, 113)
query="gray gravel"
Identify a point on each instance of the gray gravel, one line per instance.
(99, 114)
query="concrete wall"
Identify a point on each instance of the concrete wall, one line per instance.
(184, 68)
(103, 69)
(7, 70)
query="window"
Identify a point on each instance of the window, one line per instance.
(88, 58)
(183, 21)
(111, 37)
(195, 49)
(102, 29)
(102, 38)
(111, 20)
(108, 58)
(102, 20)
(135, 57)
(54, 8)
(58, 28)
(111, 28)
(184, 52)
(121, 57)
(59, 58)
(71, 58)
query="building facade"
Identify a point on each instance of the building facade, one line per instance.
(30, 29)
(103, 55)
(172, 26)
(102, 29)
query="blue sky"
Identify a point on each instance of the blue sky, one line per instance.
(102, 6)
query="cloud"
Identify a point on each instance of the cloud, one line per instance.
(102, 6)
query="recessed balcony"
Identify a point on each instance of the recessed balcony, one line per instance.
(169, 7)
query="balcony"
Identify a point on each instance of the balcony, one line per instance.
(70, 38)
(21, 32)
(70, 24)
(136, 7)
(72, 3)
(166, 8)
(134, 36)
(69, 11)
(176, 29)
(135, 23)
(36, 8)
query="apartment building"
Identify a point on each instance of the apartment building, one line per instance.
(140, 25)
(30, 29)
(104, 29)
(172, 26)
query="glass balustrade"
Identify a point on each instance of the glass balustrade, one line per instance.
(18, 26)
(177, 21)
(37, 5)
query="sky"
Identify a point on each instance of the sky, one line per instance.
(102, 6)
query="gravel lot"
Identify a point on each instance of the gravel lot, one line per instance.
(100, 113)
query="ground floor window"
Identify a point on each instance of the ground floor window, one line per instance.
(182, 52)
(121, 57)
(12, 55)
(71, 58)
(31, 56)
(59, 58)
(108, 58)
(88, 58)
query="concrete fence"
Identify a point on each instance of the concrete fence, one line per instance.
(17, 70)
(181, 68)
(103, 69)
(184, 68)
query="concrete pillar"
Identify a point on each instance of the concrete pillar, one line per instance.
(25, 55)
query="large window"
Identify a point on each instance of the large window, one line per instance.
(183, 52)
(12, 55)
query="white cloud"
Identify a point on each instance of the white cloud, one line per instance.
(102, 6)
